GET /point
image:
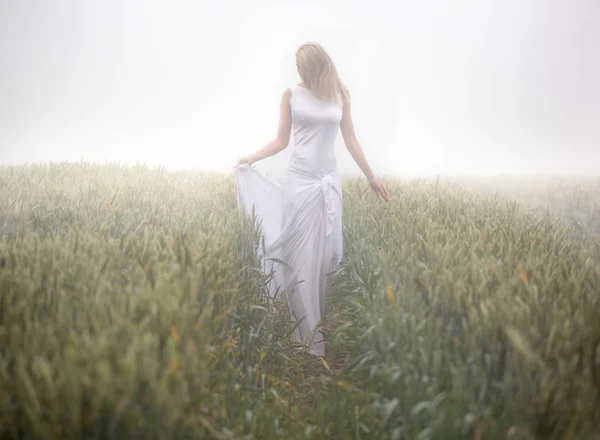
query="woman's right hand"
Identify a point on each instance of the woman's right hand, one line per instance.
(379, 189)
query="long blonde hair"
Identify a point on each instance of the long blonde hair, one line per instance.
(318, 72)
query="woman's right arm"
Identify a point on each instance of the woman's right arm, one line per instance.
(356, 151)
(282, 139)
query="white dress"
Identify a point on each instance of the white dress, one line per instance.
(301, 219)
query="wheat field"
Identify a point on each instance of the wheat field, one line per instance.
(132, 307)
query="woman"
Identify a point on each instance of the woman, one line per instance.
(301, 220)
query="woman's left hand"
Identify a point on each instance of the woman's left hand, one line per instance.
(242, 160)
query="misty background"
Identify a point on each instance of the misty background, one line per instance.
(438, 87)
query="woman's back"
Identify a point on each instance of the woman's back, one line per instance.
(315, 125)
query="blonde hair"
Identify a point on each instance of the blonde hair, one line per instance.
(318, 72)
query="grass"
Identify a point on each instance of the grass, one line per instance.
(131, 306)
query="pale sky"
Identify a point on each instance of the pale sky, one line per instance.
(438, 87)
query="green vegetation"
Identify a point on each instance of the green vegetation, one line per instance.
(131, 306)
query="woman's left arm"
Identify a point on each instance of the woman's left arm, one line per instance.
(282, 139)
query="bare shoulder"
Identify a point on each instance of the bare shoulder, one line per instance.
(345, 95)
(286, 96)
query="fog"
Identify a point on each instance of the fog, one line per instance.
(438, 87)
